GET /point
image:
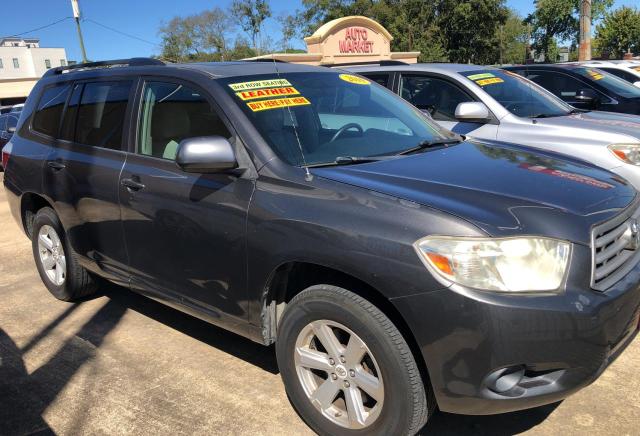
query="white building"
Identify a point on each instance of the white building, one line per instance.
(22, 63)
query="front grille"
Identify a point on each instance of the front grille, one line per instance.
(615, 249)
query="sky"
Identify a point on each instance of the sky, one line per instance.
(140, 19)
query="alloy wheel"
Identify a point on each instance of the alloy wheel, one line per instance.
(52, 257)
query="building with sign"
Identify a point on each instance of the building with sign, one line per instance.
(347, 40)
(22, 63)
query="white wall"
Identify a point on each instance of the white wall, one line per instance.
(31, 60)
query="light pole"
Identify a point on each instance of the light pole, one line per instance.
(584, 52)
(76, 16)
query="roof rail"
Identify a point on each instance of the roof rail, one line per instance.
(384, 63)
(265, 60)
(132, 62)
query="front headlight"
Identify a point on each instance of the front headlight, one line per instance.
(525, 264)
(628, 153)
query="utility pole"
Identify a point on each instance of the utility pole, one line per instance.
(584, 52)
(76, 16)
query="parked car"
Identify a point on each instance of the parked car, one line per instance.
(396, 266)
(8, 123)
(584, 87)
(626, 70)
(17, 108)
(490, 103)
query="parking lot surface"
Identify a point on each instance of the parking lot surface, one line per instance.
(120, 363)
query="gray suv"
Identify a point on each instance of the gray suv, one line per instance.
(490, 103)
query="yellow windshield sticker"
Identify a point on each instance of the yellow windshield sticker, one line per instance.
(636, 68)
(269, 92)
(258, 84)
(595, 75)
(490, 81)
(480, 76)
(262, 105)
(354, 79)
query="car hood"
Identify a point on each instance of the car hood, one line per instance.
(502, 188)
(610, 122)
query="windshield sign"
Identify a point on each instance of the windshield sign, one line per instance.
(321, 118)
(609, 82)
(518, 95)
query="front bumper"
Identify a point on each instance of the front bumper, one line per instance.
(560, 343)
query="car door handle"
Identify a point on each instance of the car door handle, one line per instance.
(57, 166)
(132, 185)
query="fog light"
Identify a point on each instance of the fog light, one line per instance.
(505, 379)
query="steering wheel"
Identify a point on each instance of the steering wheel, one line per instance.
(346, 127)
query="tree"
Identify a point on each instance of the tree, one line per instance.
(290, 26)
(470, 29)
(250, 14)
(512, 39)
(619, 32)
(202, 36)
(559, 19)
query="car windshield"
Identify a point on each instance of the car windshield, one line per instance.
(609, 82)
(518, 95)
(316, 118)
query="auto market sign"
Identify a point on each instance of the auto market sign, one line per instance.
(355, 40)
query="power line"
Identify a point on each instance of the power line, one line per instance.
(121, 33)
(38, 28)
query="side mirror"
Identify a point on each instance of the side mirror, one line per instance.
(472, 111)
(11, 130)
(587, 96)
(206, 154)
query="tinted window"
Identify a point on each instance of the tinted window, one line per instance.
(560, 84)
(68, 130)
(380, 79)
(49, 111)
(101, 114)
(609, 82)
(12, 122)
(624, 75)
(437, 96)
(313, 118)
(173, 112)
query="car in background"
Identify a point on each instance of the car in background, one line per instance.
(17, 108)
(8, 123)
(494, 104)
(584, 87)
(626, 70)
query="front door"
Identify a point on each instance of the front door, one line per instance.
(439, 97)
(82, 171)
(185, 232)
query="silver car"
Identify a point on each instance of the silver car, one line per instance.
(491, 103)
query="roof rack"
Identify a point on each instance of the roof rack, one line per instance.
(386, 63)
(132, 62)
(265, 60)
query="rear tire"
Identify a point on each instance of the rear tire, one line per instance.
(57, 264)
(377, 389)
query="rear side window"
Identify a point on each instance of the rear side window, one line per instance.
(380, 79)
(49, 111)
(101, 114)
(624, 75)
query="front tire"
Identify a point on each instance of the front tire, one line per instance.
(57, 264)
(346, 367)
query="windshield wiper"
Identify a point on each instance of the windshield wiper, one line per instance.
(350, 160)
(429, 144)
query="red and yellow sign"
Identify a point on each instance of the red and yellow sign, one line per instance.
(356, 40)
(271, 92)
(490, 81)
(257, 106)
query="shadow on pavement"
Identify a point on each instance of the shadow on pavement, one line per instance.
(448, 424)
(224, 340)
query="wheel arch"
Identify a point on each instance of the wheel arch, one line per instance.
(30, 204)
(293, 277)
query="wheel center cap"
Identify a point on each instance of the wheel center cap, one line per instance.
(341, 371)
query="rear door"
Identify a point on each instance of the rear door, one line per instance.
(185, 232)
(81, 174)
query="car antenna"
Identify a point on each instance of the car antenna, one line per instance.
(308, 176)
